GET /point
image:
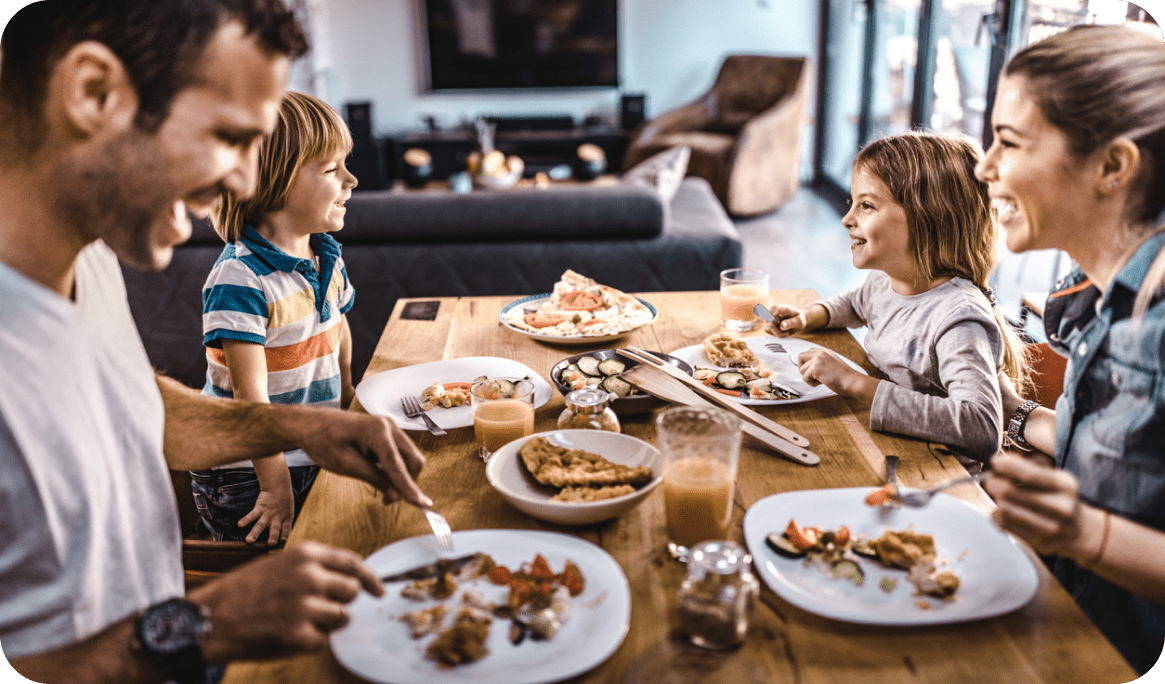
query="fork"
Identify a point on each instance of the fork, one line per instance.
(921, 498)
(892, 474)
(412, 409)
(441, 529)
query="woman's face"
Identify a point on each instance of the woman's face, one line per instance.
(1038, 188)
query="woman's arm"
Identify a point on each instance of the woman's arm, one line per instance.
(274, 508)
(1041, 505)
(204, 431)
(1039, 430)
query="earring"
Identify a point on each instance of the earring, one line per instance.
(1112, 184)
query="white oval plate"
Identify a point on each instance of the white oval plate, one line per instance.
(995, 575)
(381, 394)
(784, 368)
(534, 301)
(509, 476)
(376, 645)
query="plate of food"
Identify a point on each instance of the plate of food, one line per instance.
(578, 311)
(463, 627)
(752, 372)
(600, 370)
(442, 389)
(575, 477)
(827, 552)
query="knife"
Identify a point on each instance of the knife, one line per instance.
(438, 567)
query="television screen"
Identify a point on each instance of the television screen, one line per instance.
(522, 43)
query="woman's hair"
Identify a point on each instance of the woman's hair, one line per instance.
(952, 229)
(1100, 83)
(307, 129)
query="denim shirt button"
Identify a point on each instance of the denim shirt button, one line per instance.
(1082, 349)
(1116, 380)
(1054, 337)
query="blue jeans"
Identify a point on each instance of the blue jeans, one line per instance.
(224, 497)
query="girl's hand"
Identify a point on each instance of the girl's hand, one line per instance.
(823, 367)
(790, 320)
(274, 511)
(1040, 505)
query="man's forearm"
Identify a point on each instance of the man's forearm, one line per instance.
(103, 658)
(204, 431)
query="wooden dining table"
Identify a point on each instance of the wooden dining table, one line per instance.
(1049, 640)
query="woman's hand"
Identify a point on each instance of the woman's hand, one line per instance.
(1041, 505)
(274, 511)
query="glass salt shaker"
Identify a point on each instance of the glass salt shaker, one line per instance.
(717, 598)
(588, 409)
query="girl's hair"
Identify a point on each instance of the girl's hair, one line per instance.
(1100, 83)
(951, 226)
(307, 129)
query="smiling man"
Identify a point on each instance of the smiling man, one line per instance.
(117, 117)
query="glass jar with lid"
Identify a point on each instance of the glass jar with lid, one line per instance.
(716, 600)
(589, 409)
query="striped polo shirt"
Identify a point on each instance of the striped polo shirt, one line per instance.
(258, 293)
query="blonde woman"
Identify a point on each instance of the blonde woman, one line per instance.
(274, 313)
(1078, 164)
(922, 222)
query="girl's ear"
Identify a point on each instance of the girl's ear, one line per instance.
(1120, 162)
(93, 90)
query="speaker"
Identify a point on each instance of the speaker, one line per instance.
(368, 165)
(632, 111)
(359, 116)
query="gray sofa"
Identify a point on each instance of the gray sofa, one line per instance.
(442, 244)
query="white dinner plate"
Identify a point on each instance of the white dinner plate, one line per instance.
(534, 301)
(995, 575)
(783, 366)
(381, 394)
(376, 645)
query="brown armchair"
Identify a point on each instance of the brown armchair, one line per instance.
(744, 133)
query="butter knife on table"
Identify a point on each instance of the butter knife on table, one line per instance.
(438, 567)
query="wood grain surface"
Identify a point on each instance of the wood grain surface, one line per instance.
(1048, 641)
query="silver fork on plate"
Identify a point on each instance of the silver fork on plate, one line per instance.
(412, 409)
(441, 529)
(922, 497)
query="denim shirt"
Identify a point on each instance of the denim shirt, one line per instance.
(1110, 432)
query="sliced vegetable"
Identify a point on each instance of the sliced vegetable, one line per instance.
(800, 537)
(590, 366)
(732, 380)
(783, 547)
(579, 300)
(617, 385)
(847, 569)
(611, 366)
(882, 497)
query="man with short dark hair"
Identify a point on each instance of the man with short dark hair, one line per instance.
(117, 117)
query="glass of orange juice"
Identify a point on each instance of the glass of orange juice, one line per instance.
(700, 447)
(503, 410)
(741, 289)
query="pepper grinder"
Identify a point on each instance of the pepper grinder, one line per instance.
(588, 409)
(716, 600)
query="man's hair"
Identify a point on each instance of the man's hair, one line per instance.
(307, 129)
(160, 42)
(952, 229)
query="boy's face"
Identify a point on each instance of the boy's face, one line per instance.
(315, 202)
(877, 225)
(140, 185)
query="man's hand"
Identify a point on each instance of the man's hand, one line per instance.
(283, 604)
(273, 511)
(371, 448)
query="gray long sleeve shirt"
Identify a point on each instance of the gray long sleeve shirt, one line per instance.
(942, 351)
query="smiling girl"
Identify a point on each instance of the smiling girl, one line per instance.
(274, 310)
(922, 222)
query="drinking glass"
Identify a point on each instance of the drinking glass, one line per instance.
(700, 447)
(503, 410)
(741, 289)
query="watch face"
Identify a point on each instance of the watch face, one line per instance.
(171, 626)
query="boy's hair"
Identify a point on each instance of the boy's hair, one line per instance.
(1099, 83)
(307, 129)
(160, 43)
(952, 228)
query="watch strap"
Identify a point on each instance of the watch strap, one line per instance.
(1018, 421)
(185, 664)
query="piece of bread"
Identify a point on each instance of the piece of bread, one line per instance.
(561, 467)
(728, 351)
(584, 494)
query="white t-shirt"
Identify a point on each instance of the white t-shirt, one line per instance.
(89, 528)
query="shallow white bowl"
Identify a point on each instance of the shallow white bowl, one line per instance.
(509, 476)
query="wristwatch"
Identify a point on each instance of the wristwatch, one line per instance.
(1018, 420)
(170, 634)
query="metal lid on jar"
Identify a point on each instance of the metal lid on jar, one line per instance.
(588, 400)
(720, 557)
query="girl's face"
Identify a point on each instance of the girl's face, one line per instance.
(315, 203)
(1037, 186)
(877, 226)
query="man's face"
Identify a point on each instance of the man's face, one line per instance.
(139, 185)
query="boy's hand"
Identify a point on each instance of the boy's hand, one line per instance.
(274, 511)
(790, 320)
